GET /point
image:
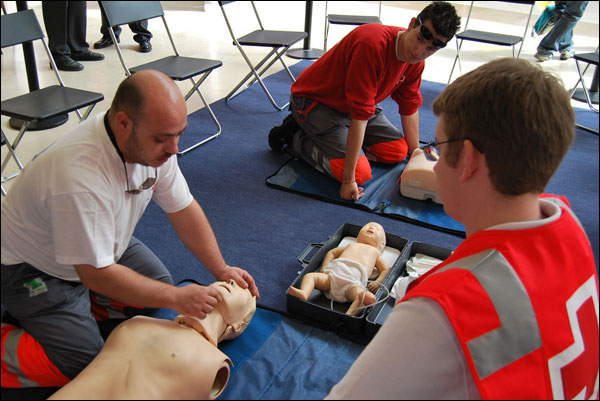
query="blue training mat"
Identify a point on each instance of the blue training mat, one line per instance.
(381, 194)
(278, 358)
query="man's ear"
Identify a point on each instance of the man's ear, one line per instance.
(413, 22)
(470, 161)
(124, 122)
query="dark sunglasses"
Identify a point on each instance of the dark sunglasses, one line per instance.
(427, 35)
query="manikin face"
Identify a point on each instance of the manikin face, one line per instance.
(372, 233)
(236, 307)
(237, 304)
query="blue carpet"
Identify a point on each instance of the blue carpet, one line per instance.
(263, 229)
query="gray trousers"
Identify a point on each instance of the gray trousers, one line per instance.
(324, 133)
(57, 312)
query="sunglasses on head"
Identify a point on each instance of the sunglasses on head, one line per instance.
(427, 35)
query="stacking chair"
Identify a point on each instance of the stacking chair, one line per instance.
(590, 59)
(42, 104)
(278, 41)
(342, 19)
(177, 67)
(490, 37)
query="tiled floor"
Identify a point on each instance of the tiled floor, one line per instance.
(201, 31)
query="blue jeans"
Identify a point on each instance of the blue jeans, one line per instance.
(566, 16)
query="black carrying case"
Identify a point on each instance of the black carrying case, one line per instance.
(318, 308)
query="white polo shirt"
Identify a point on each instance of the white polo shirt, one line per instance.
(69, 205)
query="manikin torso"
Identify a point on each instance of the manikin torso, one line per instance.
(155, 359)
(148, 358)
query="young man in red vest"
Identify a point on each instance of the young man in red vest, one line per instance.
(513, 312)
(336, 125)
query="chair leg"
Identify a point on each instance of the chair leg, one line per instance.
(585, 91)
(326, 34)
(196, 88)
(252, 74)
(11, 152)
(256, 76)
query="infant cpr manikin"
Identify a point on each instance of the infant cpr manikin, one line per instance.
(418, 178)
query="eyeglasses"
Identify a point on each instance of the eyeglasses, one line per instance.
(148, 183)
(431, 148)
(427, 35)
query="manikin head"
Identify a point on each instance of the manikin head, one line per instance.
(235, 309)
(373, 234)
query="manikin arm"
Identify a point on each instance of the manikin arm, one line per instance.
(332, 254)
(383, 269)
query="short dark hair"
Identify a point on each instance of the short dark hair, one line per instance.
(129, 98)
(443, 17)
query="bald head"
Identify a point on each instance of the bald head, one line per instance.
(147, 93)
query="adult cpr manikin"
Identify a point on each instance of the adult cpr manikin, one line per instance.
(148, 358)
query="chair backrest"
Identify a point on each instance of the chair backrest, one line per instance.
(23, 27)
(530, 3)
(357, 14)
(126, 12)
(20, 27)
(222, 4)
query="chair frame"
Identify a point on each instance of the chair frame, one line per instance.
(492, 38)
(155, 10)
(347, 20)
(588, 99)
(577, 59)
(276, 54)
(82, 97)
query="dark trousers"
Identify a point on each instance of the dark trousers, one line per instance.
(57, 313)
(139, 28)
(66, 26)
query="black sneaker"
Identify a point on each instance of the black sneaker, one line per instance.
(283, 134)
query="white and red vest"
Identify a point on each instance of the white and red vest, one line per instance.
(524, 306)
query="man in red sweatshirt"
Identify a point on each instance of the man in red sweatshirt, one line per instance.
(336, 124)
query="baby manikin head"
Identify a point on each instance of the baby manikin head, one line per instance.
(373, 234)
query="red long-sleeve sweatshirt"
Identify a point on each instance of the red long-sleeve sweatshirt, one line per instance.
(361, 71)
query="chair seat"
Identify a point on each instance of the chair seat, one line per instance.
(352, 19)
(271, 38)
(180, 68)
(590, 58)
(48, 102)
(489, 37)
